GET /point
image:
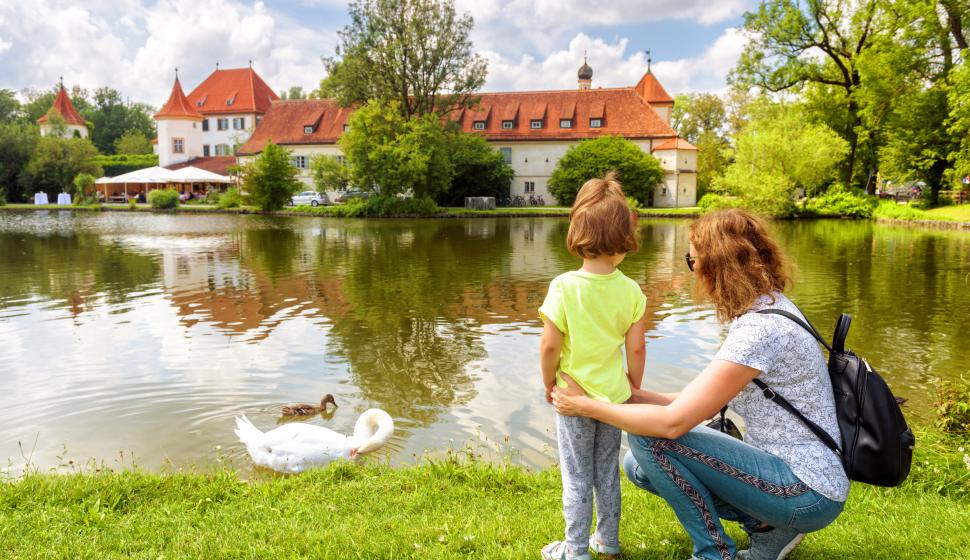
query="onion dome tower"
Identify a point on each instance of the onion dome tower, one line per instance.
(585, 75)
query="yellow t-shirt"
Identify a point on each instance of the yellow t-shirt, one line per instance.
(594, 313)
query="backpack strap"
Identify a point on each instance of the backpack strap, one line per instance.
(807, 326)
(841, 332)
(783, 402)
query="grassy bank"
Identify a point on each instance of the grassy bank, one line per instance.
(448, 509)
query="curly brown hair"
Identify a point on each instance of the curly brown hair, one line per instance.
(737, 261)
(601, 222)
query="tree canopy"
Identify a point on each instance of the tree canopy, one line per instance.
(55, 162)
(480, 170)
(271, 180)
(638, 171)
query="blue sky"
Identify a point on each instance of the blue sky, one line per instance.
(134, 45)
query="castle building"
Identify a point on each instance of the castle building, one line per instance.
(74, 125)
(205, 127)
(532, 130)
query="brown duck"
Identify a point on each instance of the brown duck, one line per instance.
(304, 409)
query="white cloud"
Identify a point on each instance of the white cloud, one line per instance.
(614, 67)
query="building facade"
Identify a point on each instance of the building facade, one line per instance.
(62, 118)
(532, 129)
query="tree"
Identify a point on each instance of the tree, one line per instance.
(392, 154)
(713, 157)
(295, 92)
(9, 106)
(329, 174)
(271, 179)
(958, 119)
(639, 172)
(17, 141)
(480, 170)
(112, 117)
(83, 188)
(417, 52)
(133, 142)
(55, 163)
(696, 113)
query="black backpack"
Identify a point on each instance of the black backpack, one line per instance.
(877, 445)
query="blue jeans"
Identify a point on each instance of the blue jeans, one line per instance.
(707, 476)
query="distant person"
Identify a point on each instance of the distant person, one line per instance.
(588, 315)
(781, 482)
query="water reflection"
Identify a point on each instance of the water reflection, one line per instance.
(149, 333)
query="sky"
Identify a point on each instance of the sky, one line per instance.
(135, 46)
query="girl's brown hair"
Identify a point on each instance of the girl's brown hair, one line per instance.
(737, 261)
(600, 222)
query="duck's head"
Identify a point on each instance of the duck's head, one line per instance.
(327, 399)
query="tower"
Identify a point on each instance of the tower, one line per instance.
(585, 75)
(179, 129)
(63, 118)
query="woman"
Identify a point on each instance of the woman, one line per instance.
(782, 481)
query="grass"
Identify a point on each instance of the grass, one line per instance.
(958, 213)
(445, 509)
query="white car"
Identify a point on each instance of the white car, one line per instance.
(312, 198)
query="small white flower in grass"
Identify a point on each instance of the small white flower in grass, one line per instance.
(664, 542)
(642, 546)
(417, 545)
(441, 538)
(469, 538)
(960, 450)
(966, 461)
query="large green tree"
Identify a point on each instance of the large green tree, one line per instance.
(329, 174)
(417, 52)
(271, 180)
(9, 106)
(638, 171)
(133, 142)
(55, 162)
(392, 154)
(702, 118)
(480, 170)
(17, 141)
(112, 117)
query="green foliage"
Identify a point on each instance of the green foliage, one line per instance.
(416, 52)
(958, 120)
(271, 179)
(891, 210)
(164, 199)
(953, 407)
(638, 171)
(391, 154)
(17, 142)
(133, 142)
(9, 106)
(132, 203)
(696, 113)
(841, 202)
(230, 199)
(84, 189)
(56, 161)
(114, 165)
(329, 174)
(480, 170)
(111, 117)
(713, 201)
(713, 157)
(375, 207)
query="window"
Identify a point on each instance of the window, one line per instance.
(307, 130)
(222, 124)
(346, 127)
(222, 150)
(508, 125)
(535, 123)
(205, 150)
(205, 125)
(530, 187)
(201, 102)
(299, 162)
(239, 123)
(341, 160)
(506, 154)
(479, 125)
(565, 123)
(595, 123)
(178, 145)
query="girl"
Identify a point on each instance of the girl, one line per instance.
(588, 314)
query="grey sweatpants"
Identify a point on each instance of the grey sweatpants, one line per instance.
(589, 455)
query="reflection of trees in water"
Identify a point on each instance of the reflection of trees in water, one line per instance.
(72, 268)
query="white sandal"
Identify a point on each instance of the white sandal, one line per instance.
(611, 552)
(558, 550)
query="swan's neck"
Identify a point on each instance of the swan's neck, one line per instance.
(373, 429)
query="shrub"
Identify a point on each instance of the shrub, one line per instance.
(713, 201)
(164, 199)
(638, 171)
(953, 407)
(84, 189)
(231, 198)
(329, 174)
(890, 210)
(480, 170)
(271, 179)
(839, 201)
(124, 163)
(132, 203)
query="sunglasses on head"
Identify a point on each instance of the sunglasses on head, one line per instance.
(690, 260)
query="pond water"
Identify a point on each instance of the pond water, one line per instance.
(143, 335)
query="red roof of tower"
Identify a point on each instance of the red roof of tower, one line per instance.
(675, 144)
(62, 104)
(233, 90)
(177, 106)
(650, 89)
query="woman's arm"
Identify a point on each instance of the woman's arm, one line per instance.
(706, 394)
(636, 353)
(550, 349)
(643, 396)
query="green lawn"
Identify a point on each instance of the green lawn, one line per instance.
(957, 213)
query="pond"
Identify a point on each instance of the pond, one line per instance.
(139, 337)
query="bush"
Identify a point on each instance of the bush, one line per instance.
(125, 163)
(230, 199)
(838, 201)
(132, 203)
(480, 170)
(271, 180)
(84, 189)
(329, 174)
(713, 201)
(166, 199)
(953, 407)
(638, 171)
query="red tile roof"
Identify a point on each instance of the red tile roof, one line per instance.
(216, 164)
(62, 104)
(177, 106)
(284, 123)
(232, 90)
(650, 89)
(675, 144)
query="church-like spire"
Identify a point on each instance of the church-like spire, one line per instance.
(62, 104)
(585, 74)
(178, 106)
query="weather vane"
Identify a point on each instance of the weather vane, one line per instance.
(648, 59)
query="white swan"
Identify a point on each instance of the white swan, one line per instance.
(294, 448)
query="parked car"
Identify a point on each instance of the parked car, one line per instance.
(312, 198)
(349, 194)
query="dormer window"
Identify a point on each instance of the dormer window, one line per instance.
(201, 101)
(479, 125)
(308, 129)
(565, 123)
(595, 123)
(535, 123)
(508, 125)
(232, 98)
